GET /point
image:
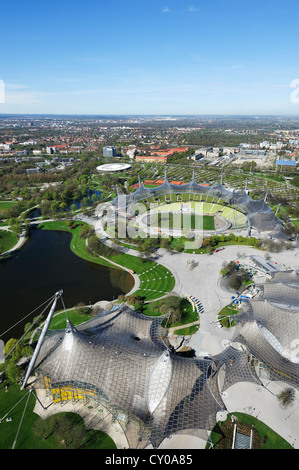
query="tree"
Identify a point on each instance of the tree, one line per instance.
(206, 242)
(63, 206)
(27, 351)
(231, 267)
(54, 207)
(84, 232)
(286, 396)
(13, 343)
(12, 371)
(27, 326)
(235, 281)
(170, 307)
(69, 433)
(17, 228)
(223, 271)
(82, 309)
(9, 345)
(135, 300)
(44, 427)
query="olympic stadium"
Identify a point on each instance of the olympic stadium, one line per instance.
(217, 209)
(128, 364)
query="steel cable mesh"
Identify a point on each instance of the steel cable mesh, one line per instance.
(122, 359)
(269, 327)
(119, 359)
(258, 213)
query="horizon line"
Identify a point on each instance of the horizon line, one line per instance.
(149, 115)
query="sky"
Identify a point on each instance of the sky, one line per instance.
(150, 57)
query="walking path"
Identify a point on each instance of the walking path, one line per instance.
(204, 283)
(95, 416)
(17, 246)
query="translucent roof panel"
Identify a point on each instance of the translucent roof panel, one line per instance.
(259, 215)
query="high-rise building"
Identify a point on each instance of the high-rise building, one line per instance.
(109, 152)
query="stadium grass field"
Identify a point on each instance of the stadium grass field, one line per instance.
(211, 208)
(182, 220)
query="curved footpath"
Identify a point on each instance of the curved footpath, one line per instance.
(18, 245)
(204, 283)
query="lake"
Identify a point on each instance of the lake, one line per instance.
(45, 265)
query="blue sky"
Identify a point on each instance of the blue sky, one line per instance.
(149, 56)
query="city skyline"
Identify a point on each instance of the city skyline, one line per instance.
(150, 57)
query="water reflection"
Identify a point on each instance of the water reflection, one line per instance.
(44, 265)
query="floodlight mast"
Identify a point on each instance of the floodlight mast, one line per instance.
(41, 338)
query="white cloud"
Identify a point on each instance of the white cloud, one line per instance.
(192, 9)
(18, 94)
(166, 10)
(15, 86)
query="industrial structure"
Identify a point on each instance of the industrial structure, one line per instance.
(259, 215)
(124, 361)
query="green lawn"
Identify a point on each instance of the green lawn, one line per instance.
(59, 319)
(187, 313)
(183, 220)
(4, 205)
(155, 279)
(7, 240)
(189, 330)
(225, 315)
(27, 439)
(268, 439)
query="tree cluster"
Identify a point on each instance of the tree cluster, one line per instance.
(235, 275)
(11, 370)
(214, 240)
(68, 431)
(95, 246)
(286, 396)
(170, 307)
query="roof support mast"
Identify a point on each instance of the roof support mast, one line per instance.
(41, 338)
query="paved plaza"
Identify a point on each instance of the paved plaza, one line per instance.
(206, 284)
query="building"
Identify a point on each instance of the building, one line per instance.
(265, 265)
(32, 171)
(5, 146)
(259, 215)
(196, 156)
(123, 361)
(151, 158)
(50, 150)
(169, 152)
(288, 163)
(109, 152)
